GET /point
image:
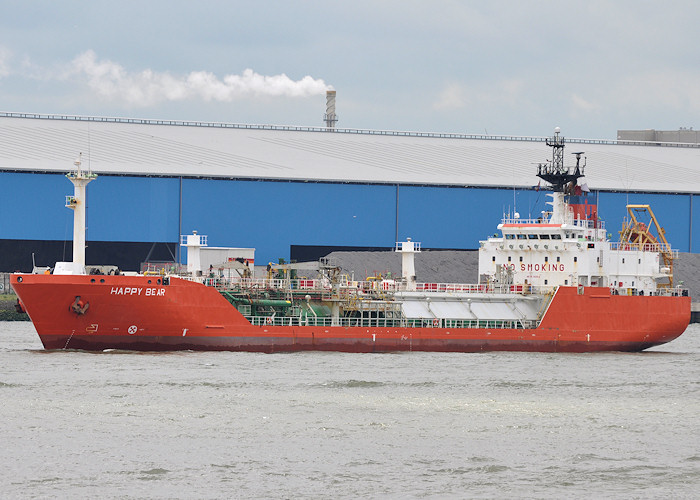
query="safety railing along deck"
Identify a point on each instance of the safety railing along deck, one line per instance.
(326, 321)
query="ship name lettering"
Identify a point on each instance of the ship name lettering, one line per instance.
(138, 291)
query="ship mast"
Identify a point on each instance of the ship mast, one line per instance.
(555, 173)
(562, 179)
(77, 203)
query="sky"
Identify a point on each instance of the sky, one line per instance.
(473, 67)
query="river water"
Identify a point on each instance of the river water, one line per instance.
(327, 425)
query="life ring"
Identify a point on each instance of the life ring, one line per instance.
(268, 320)
(436, 322)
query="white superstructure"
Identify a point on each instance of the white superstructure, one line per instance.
(569, 246)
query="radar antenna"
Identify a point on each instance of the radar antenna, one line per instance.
(554, 172)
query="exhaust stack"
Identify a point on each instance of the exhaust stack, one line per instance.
(330, 117)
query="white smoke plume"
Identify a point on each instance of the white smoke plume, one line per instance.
(110, 80)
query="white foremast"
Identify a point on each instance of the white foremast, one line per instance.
(77, 203)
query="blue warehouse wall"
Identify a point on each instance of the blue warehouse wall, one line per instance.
(133, 209)
(672, 212)
(271, 216)
(694, 229)
(34, 207)
(119, 208)
(454, 217)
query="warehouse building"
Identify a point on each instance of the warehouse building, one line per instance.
(299, 192)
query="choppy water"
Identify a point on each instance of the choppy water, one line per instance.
(327, 425)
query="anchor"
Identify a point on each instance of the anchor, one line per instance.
(78, 307)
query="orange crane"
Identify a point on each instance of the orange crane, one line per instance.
(637, 235)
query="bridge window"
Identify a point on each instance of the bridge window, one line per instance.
(510, 236)
(532, 236)
(556, 236)
(544, 236)
(521, 236)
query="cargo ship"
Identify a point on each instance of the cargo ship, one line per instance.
(551, 284)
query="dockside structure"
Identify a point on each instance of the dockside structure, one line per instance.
(272, 187)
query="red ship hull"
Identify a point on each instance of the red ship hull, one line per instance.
(139, 313)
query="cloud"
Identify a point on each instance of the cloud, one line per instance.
(452, 96)
(584, 105)
(509, 91)
(668, 88)
(110, 80)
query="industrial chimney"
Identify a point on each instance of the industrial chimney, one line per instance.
(330, 117)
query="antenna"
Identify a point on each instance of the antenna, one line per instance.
(555, 173)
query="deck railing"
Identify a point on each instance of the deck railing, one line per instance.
(444, 323)
(645, 247)
(570, 220)
(359, 288)
(384, 289)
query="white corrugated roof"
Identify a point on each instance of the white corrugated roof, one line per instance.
(148, 147)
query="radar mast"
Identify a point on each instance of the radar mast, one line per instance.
(554, 172)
